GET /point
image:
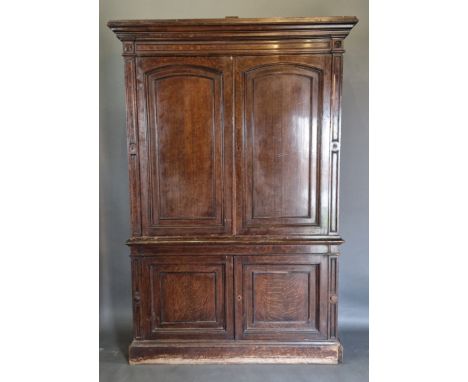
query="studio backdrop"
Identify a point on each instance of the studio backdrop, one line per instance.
(115, 285)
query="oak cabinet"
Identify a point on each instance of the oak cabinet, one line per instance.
(233, 129)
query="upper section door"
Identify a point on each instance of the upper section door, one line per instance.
(282, 149)
(185, 134)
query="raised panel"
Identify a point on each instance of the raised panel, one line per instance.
(281, 297)
(188, 297)
(281, 107)
(186, 177)
(194, 294)
(281, 141)
(185, 145)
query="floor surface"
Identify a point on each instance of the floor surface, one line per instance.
(115, 368)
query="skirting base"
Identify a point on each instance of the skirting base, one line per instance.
(234, 352)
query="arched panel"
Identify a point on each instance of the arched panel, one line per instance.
(282, 106)
(185, 141)
(184, 111)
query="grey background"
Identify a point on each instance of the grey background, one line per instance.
(115, 288)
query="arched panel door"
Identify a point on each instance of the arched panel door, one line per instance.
(186, 185)
(280, 129)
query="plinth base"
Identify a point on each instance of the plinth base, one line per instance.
(234, 352)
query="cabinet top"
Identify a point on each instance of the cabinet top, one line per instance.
(231, 26)
(234, 20)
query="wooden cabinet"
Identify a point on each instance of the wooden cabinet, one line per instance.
(233, 130)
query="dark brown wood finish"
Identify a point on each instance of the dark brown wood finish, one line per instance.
(187, 297)
(281, 297)
(225, 352)
(233, 130)
(186, 144)
(282, 170)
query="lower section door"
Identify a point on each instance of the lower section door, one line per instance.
(209, 297)
(281, 297)
(187, 297)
